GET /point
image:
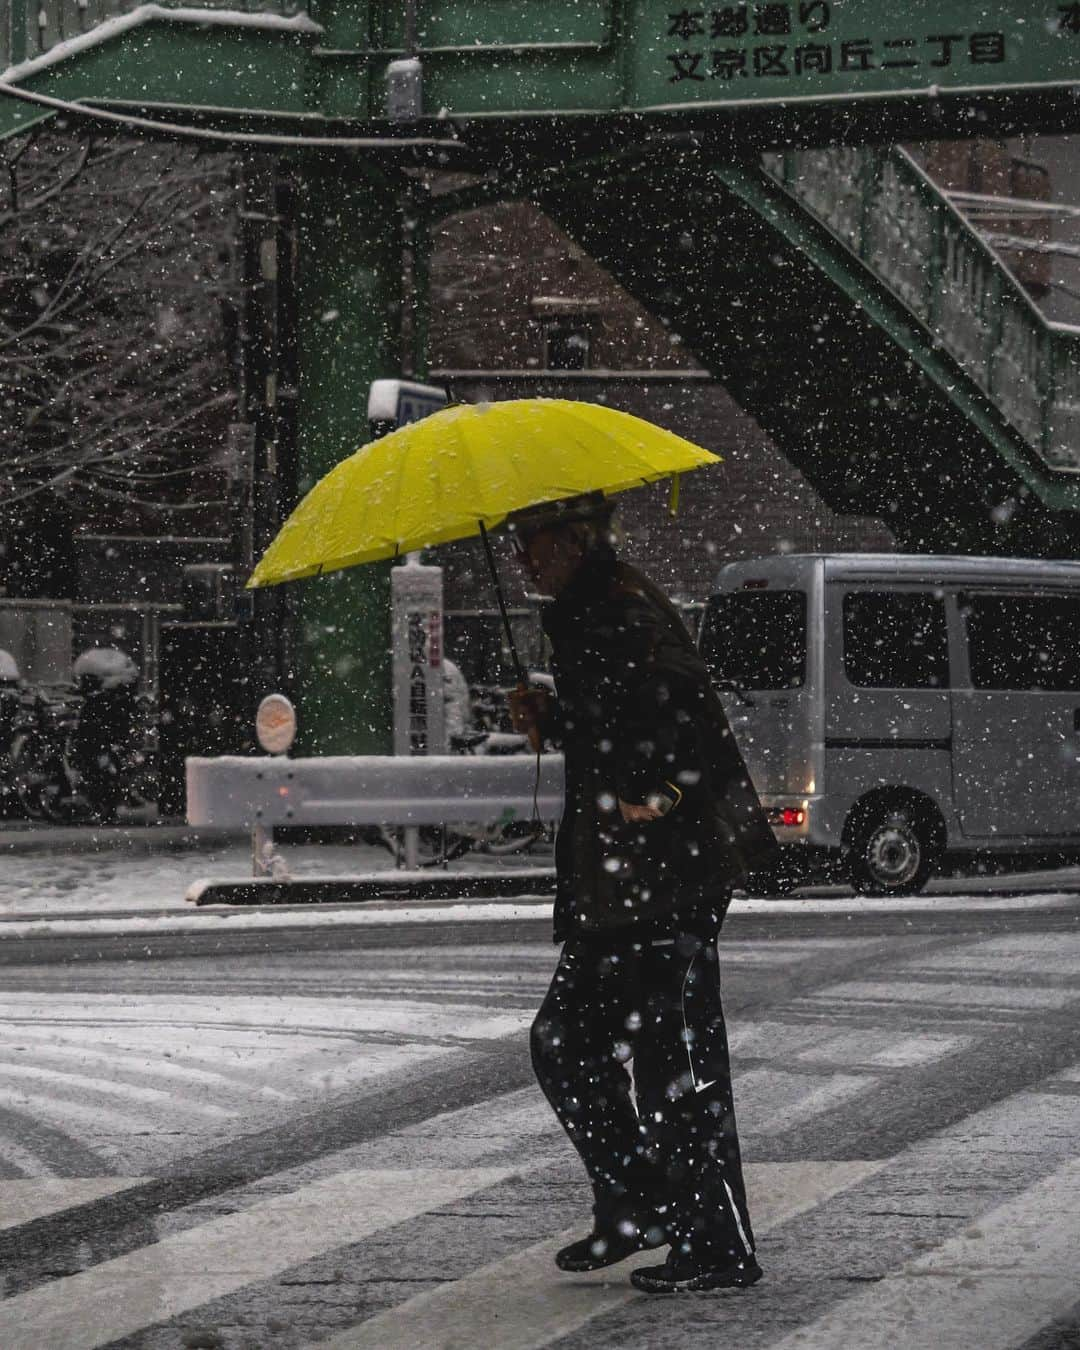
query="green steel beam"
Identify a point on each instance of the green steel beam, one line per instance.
(750, 74)
(350, 266)
(153, 65)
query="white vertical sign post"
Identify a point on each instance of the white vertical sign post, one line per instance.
(416, 598)
(417, 638)
(416, 609)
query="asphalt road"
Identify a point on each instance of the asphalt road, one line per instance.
(330, 1136)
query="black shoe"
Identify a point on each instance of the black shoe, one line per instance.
(683, 1274)
(605, 1246)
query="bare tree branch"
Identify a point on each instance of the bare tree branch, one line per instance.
(115, 265)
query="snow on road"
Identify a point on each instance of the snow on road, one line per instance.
(82, 883)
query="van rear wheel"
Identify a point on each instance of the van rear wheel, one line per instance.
(892, 852)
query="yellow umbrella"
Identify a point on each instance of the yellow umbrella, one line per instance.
(461, 472)
(440, 479)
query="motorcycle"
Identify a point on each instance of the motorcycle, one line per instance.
(45, 781)
(77, 754)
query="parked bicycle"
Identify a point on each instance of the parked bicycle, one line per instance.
(507, 834)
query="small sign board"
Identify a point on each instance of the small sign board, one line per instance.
(275, 724)
(393, 403)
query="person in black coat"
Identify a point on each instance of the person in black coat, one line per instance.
(660, 821)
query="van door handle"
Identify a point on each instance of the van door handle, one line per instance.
(1076, 719)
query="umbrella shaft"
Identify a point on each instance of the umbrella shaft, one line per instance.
(518, 669)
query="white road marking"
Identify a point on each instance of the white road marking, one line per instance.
(770, 952)
(943, 994)
(1016, 955)
(142, 1066)
(23, 1160)
(875, 1047)
(93, 1121)
(769, 1099)
(163, 1280)
(990, 1288)
(269, 1013)
(523, 1302)
(65, 1082)
(914, 1051)
(113, 1069)
(31, 1198)
(774, 1040)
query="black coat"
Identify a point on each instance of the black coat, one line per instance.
(635, 709)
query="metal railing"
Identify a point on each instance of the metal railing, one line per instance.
(885, 209)
(32, 28)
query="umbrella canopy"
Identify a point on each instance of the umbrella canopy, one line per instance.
(461, 472)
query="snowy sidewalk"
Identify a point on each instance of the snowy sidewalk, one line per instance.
(50, 883)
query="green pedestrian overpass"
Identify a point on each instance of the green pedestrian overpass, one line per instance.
(733, 165)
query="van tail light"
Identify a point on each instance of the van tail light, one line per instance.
(791, 816)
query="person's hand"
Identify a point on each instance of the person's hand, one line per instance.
(528, 710)
(630, 812)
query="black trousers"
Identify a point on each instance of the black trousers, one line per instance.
(667, 1141)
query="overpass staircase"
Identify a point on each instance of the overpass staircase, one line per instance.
(834, 291)
(862, 321)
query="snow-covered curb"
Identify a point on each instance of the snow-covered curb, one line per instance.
(488, 911)
(306, 916)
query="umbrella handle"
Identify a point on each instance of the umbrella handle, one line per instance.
(519, 670)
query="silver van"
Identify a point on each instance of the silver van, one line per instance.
(892, 709)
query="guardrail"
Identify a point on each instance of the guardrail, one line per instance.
(30, 28)
(885, 209)
(257, 793)
(238, 791)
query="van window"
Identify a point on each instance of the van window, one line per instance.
(756, 638)
(895, 640)
(1023, 641)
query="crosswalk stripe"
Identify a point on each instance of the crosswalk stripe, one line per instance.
(876, 1047)
(93, 1120)
(522, 1302)
(269, 1013)
(32, 1198)
(770, 1099)
(22, 1160)
(991, 1288)
(163, 1280)
(65, 1081)
(945, 994)
(141, 1079)
(119, 1062)
(1031, 954)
